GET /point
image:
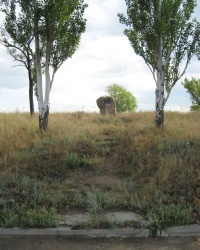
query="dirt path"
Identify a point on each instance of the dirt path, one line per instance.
(41, 243)
(105, 177)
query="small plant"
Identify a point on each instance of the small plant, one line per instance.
(8, 217)
(78, 200)
(72, 161)
(97, 201)
(94, 202)
(41, 217)
(105, 150)
(95, 221)
(68, 139)
(173, 147)
(126, 185)
(3, 203)
(22, 216)
(167, 215)
(86, 161)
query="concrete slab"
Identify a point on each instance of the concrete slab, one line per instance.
(187, 230)
(69, 220)
(119, 217)
(62, 231)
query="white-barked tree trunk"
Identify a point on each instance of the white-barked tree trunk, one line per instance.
(43, 101)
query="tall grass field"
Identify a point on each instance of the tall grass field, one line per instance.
(94, 163)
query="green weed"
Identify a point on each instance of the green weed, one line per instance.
(72, 161)
(166, 215)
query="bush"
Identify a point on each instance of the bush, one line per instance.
(125, 101)
(167, 215)
(72, 161)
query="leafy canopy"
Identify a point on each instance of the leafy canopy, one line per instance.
(162, 27)
(60, 22)
(193, 88)
(125, 101)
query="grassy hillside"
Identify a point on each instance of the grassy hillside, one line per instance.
(99, 163)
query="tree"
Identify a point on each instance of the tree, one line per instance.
(4, 2)
(57, 26)
(193, 88)
(160, 31)
(125, 101)
(17, 36)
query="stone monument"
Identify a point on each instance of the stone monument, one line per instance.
(106, 105)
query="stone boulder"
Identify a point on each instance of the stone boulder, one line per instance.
(106, 105)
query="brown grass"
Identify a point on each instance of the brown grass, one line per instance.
(123, 155)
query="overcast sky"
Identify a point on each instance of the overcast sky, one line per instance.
(103, 58)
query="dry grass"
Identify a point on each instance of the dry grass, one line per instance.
(143, 168)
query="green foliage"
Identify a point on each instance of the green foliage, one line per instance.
(72, 161)
(98, 200)
(30, 202)
(193, 88)
(169, 214)
(9, 217)
(173, 147)
(42, 217)
(163, 34)
(195, 107)
(24, 217)
(95, 201)
(158, 180)
(16, 34)
(125, 101)
(2, 2)
(68, 26)
(54, 26)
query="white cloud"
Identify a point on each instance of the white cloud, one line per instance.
(13, 76)
(102, 17)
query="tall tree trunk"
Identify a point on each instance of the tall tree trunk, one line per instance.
(160, 95)
(160, 101)
(43, 110)
(44, 114)
(160, 87)
(31, 102)
(47, 72)
(44, 118)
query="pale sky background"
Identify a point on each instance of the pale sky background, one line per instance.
(104, 57)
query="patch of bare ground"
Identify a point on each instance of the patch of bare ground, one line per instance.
(105, 177)
(80, 243)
